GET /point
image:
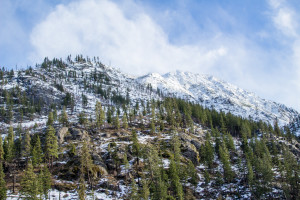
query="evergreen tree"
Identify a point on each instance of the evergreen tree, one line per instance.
(86, 161)
(224, 157)
(45, 181)
(134, 193)
(50, 119)
(51, 146)
(229, 141)
(82, 118)
(109, 115)
(223, 128)
(191, 170)
(2, 183)
(135, 145)
(158, 185)
(72, 150)
(152, 127)
(100, 115)
(124, 121)
(54, 114)
(208, 151)
(18, 142)
(175, 180)
(1, 149)
(9, 154)
(206, 177)
(292, 170)
(82, 188)
(117, 122)
(245, 130)
(27, 145)
(145, 189)
(37, 152)
(63, 119)
(250, 175)
(29, 183)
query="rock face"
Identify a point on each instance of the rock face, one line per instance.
(78, 134)
(62, 133)
(192, 155)
(196, 144)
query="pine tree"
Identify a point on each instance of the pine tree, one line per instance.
(126, 164)
(45, 181)
(229, 141)
(82, 188)
(37, 152)
(18, 142)
(175, 180)
(155, 168)
(245, 130)
(82, 118)
(124, 121)
(29, 183)
(27, 145)
(50, 119)
(145, 189)
(208, 153)
(223, 128)
(9, 154)
(63, 119)
(2, 183)
(250, 175)
(51, 146)
(224, 157)
(86, 161)
(134, 193)
(72, 150)
(54, 114)
(206, 177)
(100, 115)
(292, 171)
(1, 149)
(152, 127)
(135, 145)
(192, 173)
(117, 122)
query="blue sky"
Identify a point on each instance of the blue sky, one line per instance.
(254, 44)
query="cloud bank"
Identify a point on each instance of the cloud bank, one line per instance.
(126, 37)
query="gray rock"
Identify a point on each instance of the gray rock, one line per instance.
(196, 144)
(62, 133)
(191, 155)
(79, 134)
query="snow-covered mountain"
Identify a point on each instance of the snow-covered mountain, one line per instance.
(77, 78)
(220, 95)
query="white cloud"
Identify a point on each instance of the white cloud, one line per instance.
(284, 18)
(135, 43)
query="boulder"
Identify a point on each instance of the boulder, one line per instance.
(61, 133)
(191, 153)
(78, 134)
(196, 144)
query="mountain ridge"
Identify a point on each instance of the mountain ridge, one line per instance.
(205, 89)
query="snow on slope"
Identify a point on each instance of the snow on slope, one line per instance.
(212, 92)
(203, 89)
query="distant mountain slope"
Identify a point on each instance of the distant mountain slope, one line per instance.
(212, 92)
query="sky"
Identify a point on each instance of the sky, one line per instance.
(254, 44)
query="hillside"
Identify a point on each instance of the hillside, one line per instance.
(97, 131)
